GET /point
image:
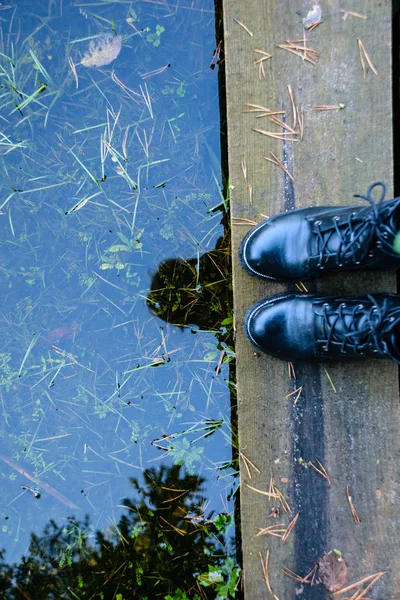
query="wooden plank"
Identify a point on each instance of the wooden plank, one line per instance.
(354, 429)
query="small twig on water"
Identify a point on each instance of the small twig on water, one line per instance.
(154, 72)
(221, 359)
(216, 57)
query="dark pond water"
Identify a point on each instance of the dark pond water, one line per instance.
(116, 354)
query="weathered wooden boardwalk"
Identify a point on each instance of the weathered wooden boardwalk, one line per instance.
(346, 416)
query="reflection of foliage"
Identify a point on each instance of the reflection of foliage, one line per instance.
(154, 551)
(223, 578)
(195, 291)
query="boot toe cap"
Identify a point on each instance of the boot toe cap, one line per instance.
(260, 252)
(273, 325)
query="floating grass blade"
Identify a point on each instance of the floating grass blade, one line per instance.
(6, 200)
(45, 187)
(40, 67)
(92, 177)
(30, 98)
(88, 128)
(82, 203)
(224, 201)
(27, 353)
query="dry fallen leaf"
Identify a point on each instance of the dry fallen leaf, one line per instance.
(102, 51)
(332, 571)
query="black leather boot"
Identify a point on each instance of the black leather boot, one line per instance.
(311, 328)
(303, 244)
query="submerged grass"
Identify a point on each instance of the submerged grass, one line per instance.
(116, 315)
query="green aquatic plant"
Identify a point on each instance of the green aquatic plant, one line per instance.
(155, 38)
(111, 258)
(184, 453)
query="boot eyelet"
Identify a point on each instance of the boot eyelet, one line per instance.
(391, 319)
(354, 214)
(361, 306)
(336, 218)
(379, 244)
(340, 264)
(370, 254)
(343, 305)
(321, 267)
(375, 351)
(325, 305)
(318, 222)
(385, 235)
(358, 262)
(342, 351)
(325, 348)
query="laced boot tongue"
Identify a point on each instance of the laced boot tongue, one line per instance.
(349, 325)
(347, 240)
(366, 327)
(347, 237)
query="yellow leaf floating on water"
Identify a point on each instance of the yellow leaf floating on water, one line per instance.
(102, 51)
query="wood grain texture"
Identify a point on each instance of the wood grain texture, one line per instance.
(355, 430)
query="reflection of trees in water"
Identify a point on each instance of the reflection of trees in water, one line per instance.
(196, 291)
(161, 549)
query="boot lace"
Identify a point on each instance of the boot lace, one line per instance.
(357, 233)
(364, 328)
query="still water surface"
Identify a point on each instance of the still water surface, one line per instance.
(115, 316)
